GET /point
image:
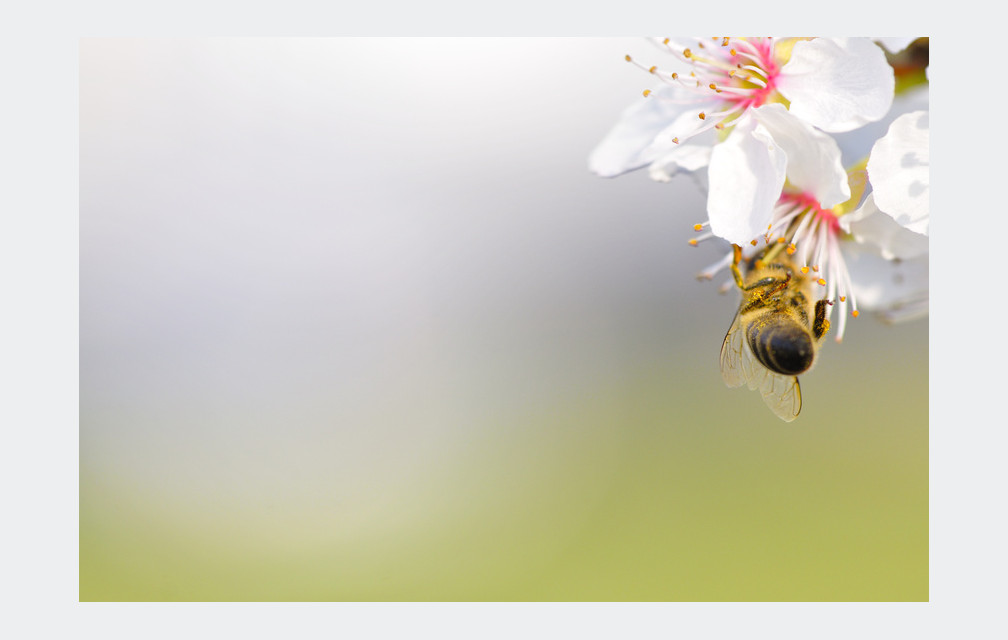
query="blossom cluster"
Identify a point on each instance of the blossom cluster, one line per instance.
(819, 143)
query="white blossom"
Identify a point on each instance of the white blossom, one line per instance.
(743, 110)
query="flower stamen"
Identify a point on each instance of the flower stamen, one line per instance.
(724, 80)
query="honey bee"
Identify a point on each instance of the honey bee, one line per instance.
(777, 331)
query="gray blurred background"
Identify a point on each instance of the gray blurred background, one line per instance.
(356, 323)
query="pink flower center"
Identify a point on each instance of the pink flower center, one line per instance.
(804, 202)
(726, 77)
(753, 88)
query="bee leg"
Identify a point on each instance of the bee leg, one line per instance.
(769, 280)
(820, 325)
(736, 272)
(781, 285)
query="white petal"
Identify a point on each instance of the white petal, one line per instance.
(899, 170)
(686, 122)
(898, 287)
(746, 175)
(629, 145)
(857, 144)
(685, 157)
(837, 84)
(813, 157)
(868, 225)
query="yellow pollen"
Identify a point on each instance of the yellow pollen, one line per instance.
(628, 58)
(791, 249)
(821, 281)
(804, 269)
(687, 53)
(675, 76)
(815, 268)
(697, 227)
(731, 74)
(719, 127)
(843, 298)
(724, 41)
(703, 116)
(652, 69)
(665, 41)
(733, 51)
(752, 242)
(713, 86)
(647, 92)
(675, 140)
(855, 313)
(693, 241)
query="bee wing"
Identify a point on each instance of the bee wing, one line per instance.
(738, 364)
(733, 350)
(753, 370)
(782, 394)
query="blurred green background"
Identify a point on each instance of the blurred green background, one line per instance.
(371, 332)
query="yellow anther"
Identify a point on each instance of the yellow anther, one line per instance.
(647, 92)
(693, 241)
(791, 249)
(752, 242)
(855, 313)
(843, 298)
(628, 58)
(815, 268)
(665, 41)
(675, 76)
(724, 41)
(703, 116)
(781, 240)
(821, 282)
(733, 51)
(697, 227)
(652, 69)
(687, 53)
(675, 140)
(804, 269)
(713, 86)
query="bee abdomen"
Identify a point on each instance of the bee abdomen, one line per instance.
(782, 347)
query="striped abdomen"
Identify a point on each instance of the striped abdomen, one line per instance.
(781, 345)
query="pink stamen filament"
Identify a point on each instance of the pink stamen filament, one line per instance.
(715, 77)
